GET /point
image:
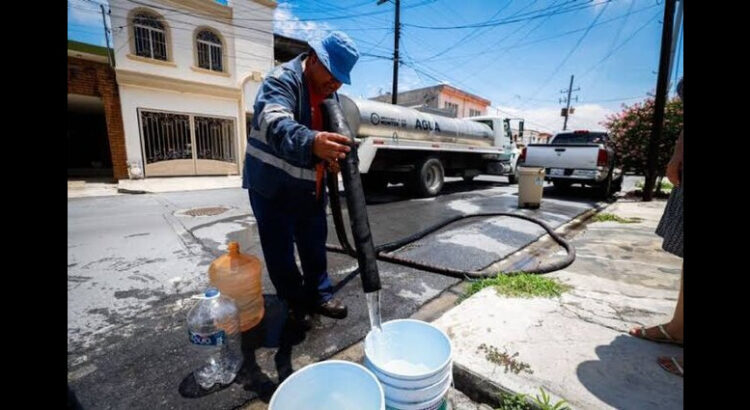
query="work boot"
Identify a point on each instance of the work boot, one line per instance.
(298, 315)
(333, 309)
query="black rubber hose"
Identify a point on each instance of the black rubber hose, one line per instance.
(334, 121)
(457, 273)
(338, 219)
(358, 212)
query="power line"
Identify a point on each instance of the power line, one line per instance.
(615, 99)
(494, 23)
(531, 16)
(525, 120)
(615, 39)
(442, 81)
(614, 50)
(460, 42)
(409, 57)
(439, 14)
(570, 53)
(351, 16)
(444, 75)
(379, 42)
(451, 80)
(542, 39)
(348, 9)
(327, 18)
(487, 66)
(316, 8)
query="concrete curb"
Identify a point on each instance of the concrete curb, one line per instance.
(482, 390)
(521, 257)
(131, 191)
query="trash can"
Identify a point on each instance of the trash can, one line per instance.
(530, 187)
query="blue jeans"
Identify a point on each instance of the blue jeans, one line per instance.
(282, 222)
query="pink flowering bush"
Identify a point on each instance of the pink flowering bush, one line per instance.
(630, 131)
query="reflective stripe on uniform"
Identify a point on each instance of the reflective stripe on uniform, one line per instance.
(270, 159)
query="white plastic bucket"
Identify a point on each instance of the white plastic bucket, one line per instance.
(329, 385)
(412, 360)
(402, 395)
(403, 383)
(432, 404)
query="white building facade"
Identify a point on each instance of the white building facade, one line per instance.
(187, 74)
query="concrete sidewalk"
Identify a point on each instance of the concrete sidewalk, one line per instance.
(577, 345)
(79, 188)
(176, 184)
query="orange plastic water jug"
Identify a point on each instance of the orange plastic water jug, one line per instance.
(238, 276)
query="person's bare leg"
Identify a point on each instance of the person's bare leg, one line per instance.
(674, 365)
(674, 327)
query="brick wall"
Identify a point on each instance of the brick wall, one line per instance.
(98, 79)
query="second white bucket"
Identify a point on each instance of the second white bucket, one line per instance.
(412, 361)
(329, 385)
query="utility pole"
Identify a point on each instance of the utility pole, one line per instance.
(660, 99)
(106, 34)
(394, 95)
(566, 110)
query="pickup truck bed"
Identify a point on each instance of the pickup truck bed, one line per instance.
(590, 162)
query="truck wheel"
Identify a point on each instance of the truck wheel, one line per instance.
(561, 186)
(428, 177)
(605, 189)
(374, 182)
(618, 184)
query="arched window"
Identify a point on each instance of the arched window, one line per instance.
(149, 36)
(208, 45)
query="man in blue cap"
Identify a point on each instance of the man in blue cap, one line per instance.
(284, 171)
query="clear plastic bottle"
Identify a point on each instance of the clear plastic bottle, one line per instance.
(237, 275)
(214, 331)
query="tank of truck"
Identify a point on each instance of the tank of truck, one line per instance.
(369, 118)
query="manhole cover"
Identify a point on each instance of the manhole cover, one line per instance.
(205, 211)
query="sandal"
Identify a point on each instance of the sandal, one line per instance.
(641, 333)
(671, 364)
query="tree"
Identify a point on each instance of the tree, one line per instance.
(630, 131)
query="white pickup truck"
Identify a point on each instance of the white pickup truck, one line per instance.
(577, 157)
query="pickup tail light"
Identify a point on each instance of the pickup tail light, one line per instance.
(522, 157)
(602, 159)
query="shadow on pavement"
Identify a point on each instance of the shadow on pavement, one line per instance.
(627, 375)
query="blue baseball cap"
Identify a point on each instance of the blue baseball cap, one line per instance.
(338, 53)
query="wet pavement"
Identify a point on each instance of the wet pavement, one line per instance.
(135, 260)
